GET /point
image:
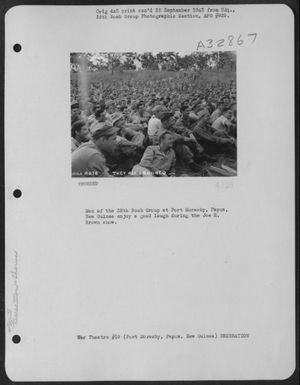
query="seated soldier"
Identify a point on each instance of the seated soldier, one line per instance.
(188, 150)
(75, 112)
(158, 160)
(139, 115)
(80, 134)
(183, 129)
(217, 112)
(219, 139)
(213, 144)
(98, 114)
(129, 147)
(223, 125)
(89, 159)
(155, 124)
(126, 135)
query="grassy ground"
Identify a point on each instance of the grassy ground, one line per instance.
(209, 76)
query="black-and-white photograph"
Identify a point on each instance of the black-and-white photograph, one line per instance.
(190, 277)
(153, 114)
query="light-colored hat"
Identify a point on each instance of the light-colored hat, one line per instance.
(116, 116)
(159, 109)
(193, 116)
(99, 129)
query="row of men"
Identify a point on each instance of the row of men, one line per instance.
(122, 94)
(112, 143)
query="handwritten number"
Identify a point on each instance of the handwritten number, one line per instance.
(210, 43)
(220, 42)
(230, 38)
(253, 34)
(240, 41)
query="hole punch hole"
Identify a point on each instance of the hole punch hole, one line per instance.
(17, 47)
(16, 339)
(17, 193)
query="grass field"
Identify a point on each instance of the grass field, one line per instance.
(207, 76)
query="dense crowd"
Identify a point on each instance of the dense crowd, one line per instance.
(167, 127)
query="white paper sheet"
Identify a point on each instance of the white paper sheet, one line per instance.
(159, 278)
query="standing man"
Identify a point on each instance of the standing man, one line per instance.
(89, 160)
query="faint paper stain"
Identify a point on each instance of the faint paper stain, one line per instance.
(12, 314)
(222, 186)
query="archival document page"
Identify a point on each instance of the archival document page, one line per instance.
(149, 178)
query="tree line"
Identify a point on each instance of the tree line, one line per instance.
(167, 61)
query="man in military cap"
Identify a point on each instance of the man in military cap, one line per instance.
(126, 135)
(187, 149)
(89, 159)
(98, 114)
(183, 124)
(75, 111)
(217, 112)
(129, 146)
(138, 115)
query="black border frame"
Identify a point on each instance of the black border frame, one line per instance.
(5, 5)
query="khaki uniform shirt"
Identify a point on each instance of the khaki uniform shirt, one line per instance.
(154, 158)
(88, 161)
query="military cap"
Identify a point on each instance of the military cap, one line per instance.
(74, 104)
(116, 116)
(99, 129)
